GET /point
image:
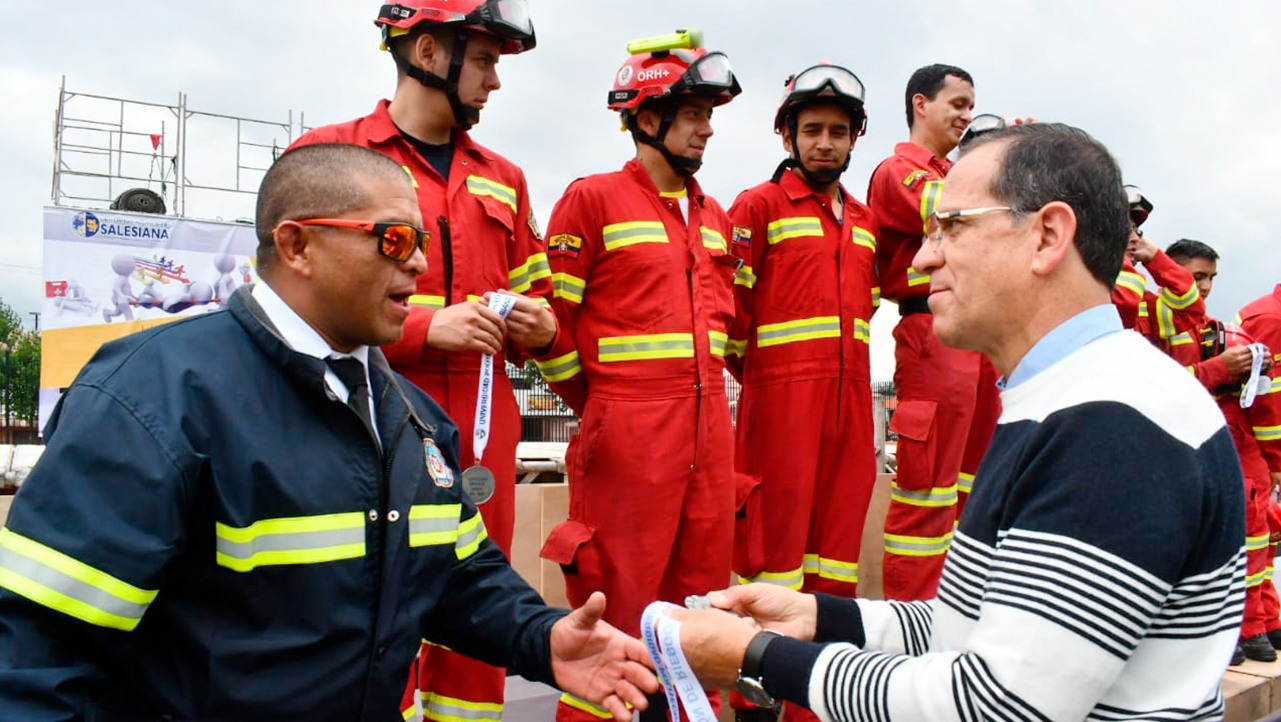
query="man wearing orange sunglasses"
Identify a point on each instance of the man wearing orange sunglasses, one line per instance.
(476, 205)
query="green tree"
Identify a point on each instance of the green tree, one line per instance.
(23, 366)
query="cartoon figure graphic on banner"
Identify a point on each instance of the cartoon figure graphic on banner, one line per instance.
(74, 299)
(122, 291)
(226, 283)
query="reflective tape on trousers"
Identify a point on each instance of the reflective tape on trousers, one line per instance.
(501, 304)
(449, 709)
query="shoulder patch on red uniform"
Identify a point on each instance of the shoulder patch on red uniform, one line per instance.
(564, 244)
(533, 225)
(914, 179)
(742, 235)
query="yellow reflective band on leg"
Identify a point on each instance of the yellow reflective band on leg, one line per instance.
(832, 569)
(291, 540)
(964, 482)
(917, 546)
(804, 329)
(646, 347)
(471, 532)
(936, 497)
(799, 227)
(1257, 579)
(863, 237)
(585, 706)
(427, 301)
(1254, 543)
(522, 277)
(568, 287)
(479, 186)
(433, 524)
(560, 368)
(62, 583)
(451, 709)
(792, 579)
(1266, 433)
(620, 235)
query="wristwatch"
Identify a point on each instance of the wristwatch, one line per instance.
(749, 682)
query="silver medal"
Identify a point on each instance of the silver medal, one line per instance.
(479, 484)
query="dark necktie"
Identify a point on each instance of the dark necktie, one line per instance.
(352, 374)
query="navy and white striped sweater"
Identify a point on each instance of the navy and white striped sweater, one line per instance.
(1098, 571)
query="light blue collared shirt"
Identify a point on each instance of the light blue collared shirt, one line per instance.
(1083, 328)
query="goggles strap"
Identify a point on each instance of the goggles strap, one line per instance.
(464, 115)
(813, 177)
(680, 164)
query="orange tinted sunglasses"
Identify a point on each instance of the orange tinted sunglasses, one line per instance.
(398, 240)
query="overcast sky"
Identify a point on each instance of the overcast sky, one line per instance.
(1184, 94)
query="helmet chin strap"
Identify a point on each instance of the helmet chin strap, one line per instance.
(679, 164)
(465, 116)
(813, 177)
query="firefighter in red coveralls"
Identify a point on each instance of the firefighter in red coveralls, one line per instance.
(947, 399)
(484, 239)
(643, 298)
(1219, 355)
(1178, 308)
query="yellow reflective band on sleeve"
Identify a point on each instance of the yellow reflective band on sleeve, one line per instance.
(804, 329)
(1181, 339)
(418, 299)
(937, 497)
(560, 368)
(1164, 319)
(876, 296)
(792, 578)
(964, 482)
(862, 331)
(1178, 302)
(929, 201)
(736, 347)
(583, 705)
(646, 347)
(1266, 433)
(409, 713)
(440, 708)
(1133, 282)
(618, 235)
(568, 287)
(1254, 543)
(832, 569)
(471, 532)
(291, 540)
(713, 240)
(479, 186)
(523, 276)
(1143, 310)
(916, 278)
(64, 584)
(433, 524)
(863, 237)
(744, 276)
(917, 546)
(717, 341)
(799, 227)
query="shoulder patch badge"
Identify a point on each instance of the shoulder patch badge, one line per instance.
(742, 235)
(437, 469)
(914, 179)
(533, 225)
(564, 244)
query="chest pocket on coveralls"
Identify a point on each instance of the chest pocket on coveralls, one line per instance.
(639, 257)
(795, 268)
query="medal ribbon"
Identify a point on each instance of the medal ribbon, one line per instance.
(502, 304)
(1257, 380)
(662, 636)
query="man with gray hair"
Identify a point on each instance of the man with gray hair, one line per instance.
(248, 515)
(1098, 570)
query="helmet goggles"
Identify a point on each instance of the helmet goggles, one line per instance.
(708, 75)
(508, 19)
(825, 80)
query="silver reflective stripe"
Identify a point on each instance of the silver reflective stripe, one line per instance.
(623, 348)
(101, 600)
(471, 536)
(486, 187)
(442, 525)
(831, 325)
(437, 707)
(533, 270)
(291, 542)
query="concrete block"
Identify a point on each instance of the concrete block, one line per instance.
(1248, 697)
(539, 508)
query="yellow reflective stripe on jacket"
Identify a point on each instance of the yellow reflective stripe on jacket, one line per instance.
(583, 705)
(1133, 282)
(916, 278)
(560, 368)
(862, 331)
(471, 532)
(799, 227)
(713, 239)
(744, 276)
(1253, 543)
(964, 482)
(479, 186)
(645, 347)
(935, 497)
(440, 708)
(64, 584)
(568, 286)
(792, 578)
(419, 299)
(618, 235)
(1181, 339)
(1178, 302)
(876, 296)
(736, 347)
(929, 201)
(804, 329)
(523, 276)
(917, 546)
(1266, 433)
(717, 341)
(1164, 319)
(863, 237)
(833, 569)
(290, 540)
(433, 524)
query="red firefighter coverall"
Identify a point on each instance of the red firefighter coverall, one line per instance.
(1260, 596)
(643, 301)
(948, 403)
(1176, 309)
(483, 237)
(799, 343)
(1261, 319)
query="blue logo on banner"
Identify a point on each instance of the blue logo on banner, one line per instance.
(85, 224)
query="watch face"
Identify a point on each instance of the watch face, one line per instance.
(752, 690)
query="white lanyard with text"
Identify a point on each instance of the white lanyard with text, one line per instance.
(662, 636)
(1258, 383)
(478, 481)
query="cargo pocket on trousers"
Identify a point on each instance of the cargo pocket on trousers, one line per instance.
(749, 544)
(913, 421)
(564, 546)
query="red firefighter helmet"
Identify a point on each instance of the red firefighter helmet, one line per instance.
(506, 19)
(824, 82)
(1140, 206)
(670, 72)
